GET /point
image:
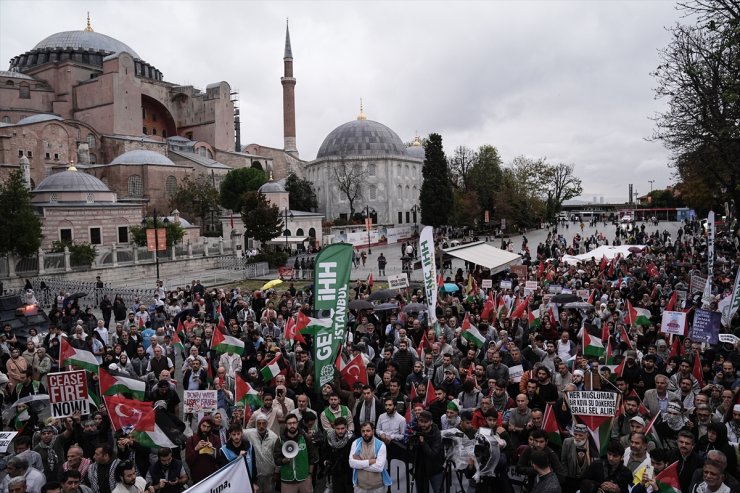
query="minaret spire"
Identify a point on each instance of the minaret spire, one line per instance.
(288, 82)
(88, 28)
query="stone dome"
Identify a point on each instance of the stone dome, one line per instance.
(362, 138)
(416, 149)
(71, 181)
(141, 156)
(41, 117)
(84, 40)
(271, 187)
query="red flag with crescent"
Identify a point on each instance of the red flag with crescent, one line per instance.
(354, 371)
(291, 331)
(125, 413)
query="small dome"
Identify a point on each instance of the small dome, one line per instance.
(141, 156)
(71, 181)
(416, 150)
(15, 75)
(41, 117)
(84, 40)
(271, 187)
(362, 138)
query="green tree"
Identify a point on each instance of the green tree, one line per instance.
(174, 232)
(436, 189)
(262, 220)
(236, 183)
(466, 209)
(20, 226)
(80, 253)
(486, 177)
(699, 76)
(301, 194)
(196, 198)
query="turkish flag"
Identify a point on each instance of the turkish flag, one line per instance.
(291, 331)
(125, 413)
(354, 371)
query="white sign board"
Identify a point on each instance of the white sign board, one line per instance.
(398, 281)
(728, 338)
(516, 372)
(593, 403)
(673, 323)
(486, 283)
(5, 438)
(505, 284)
(68, 393)
(583, 294)
(199, 401)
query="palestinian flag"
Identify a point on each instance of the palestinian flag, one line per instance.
(94, 400)
(246, 394)
(176, 340)
(303, 321)
(471, 333)
(487, 307)
(600, 428)
(223, 343)
(271, 369)
(551, 428)
(609, 353)
(637, 316)
(111, 384)
(291, 331)
(650, 432)
(220, 318)
(158, 429)
(534, 319)
(625, 338)
(80, 358)
(667, 479)
(592, 346)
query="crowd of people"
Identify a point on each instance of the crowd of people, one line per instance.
(454, 408)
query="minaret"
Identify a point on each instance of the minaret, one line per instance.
(288, 82)
(26, 172)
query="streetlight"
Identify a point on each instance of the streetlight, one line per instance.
(287, 214)
(166, 221)
(414, 210)
(651, 185)
(368, 222)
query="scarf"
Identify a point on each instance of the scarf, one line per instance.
(336, 442)
(84, 465)
(51, 455)
(372, 411)
(92, 474)
(499, 403)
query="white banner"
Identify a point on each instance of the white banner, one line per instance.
(232, 478)
(399, 281)
(5, 438)
(707, 298)
(729, 309)
(429, 270)
(673, 323)
(728, 338)
(592, 403)
(199, 401)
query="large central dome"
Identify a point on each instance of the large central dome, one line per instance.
(84, 40)
(362, 138)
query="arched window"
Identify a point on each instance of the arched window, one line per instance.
(9, 83)
(91, 141)
(286, 232)
(312, 233)
(154, 131)
(135, 186)
(24, 91)
(371, 169)
(170, 186)
(299, 232)
(408, 192)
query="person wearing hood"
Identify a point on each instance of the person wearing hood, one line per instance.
(716, 439)
(200, 450)
(336, 449)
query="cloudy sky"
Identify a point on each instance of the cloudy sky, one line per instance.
(569, 81)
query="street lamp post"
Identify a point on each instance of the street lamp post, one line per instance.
(165, 222)
(415, 210)
(651, 185)
(287, 214)
(368, 210)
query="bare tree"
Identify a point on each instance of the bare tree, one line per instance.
(349, 181)
(461, 164)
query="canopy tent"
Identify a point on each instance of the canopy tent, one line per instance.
(603, 251)
(481, 253)
(291, 239)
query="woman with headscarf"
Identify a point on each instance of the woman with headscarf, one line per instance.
(716, 439)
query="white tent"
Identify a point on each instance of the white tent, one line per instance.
(603, 251)
(483, 254)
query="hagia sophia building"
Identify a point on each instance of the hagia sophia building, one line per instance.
(86, 107)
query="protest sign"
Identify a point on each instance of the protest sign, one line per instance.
(673, 323)
(68, 393)
(516, 372)
(520, 271)
(486, 283)
(583, 294)
(728, 338)
(555, 289)
(197, 401)
(505, 284)
(592, 403)
(697, 285)
(5, 438)
(705, 327)
(398, 281)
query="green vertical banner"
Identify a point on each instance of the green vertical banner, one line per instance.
(331, 297)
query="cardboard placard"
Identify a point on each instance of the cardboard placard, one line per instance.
(516, 372)
(531, 286)
(555, 289)
(199, 401)
(5, 438)
(505, 284)
(697, 284)
(68, 393)
(705, 327)
(486, 283)
(583, 294)
(398, 281)
(673, 323)
(593, 403)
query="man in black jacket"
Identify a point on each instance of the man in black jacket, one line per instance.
(539, 442)
(335, 453)
(196, 377)
(610, 470)
(167, 474)
(688, 459)
(428, 454)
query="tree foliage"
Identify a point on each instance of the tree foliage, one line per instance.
(20, 226)
(301, 194)
(436, 189)
(236, 183)
(461, 164)
(699, 76)
(262, 220)
(174, 232)
(196, 198)
(486, 176)
(79, 253)
(564, 185)
(349, 182)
